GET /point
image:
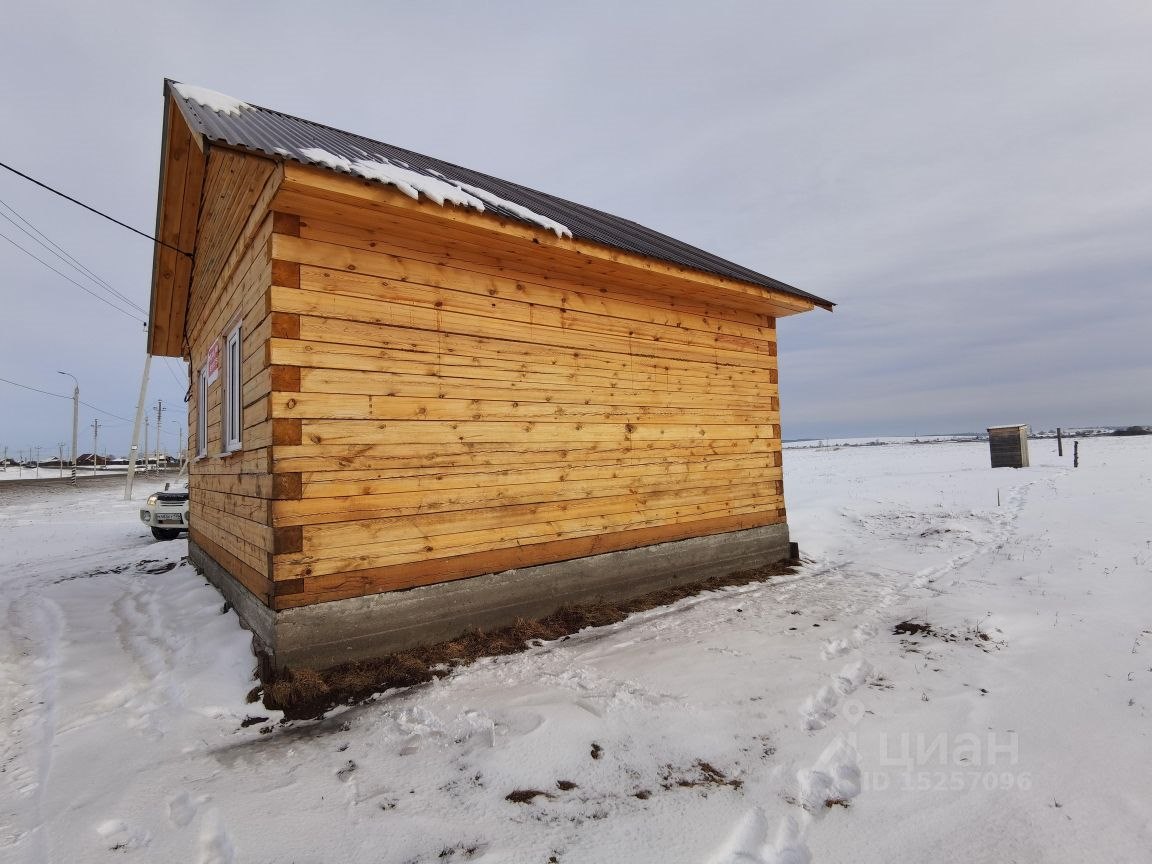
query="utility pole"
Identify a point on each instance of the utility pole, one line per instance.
(75, 419)
(159, 429)
(146, 467)
(60, 458)
(134, 450)
(37, 461)
(95, 443)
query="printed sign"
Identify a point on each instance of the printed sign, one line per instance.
(212, 365)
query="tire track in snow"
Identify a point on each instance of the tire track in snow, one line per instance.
(144, 637)
(29, 687)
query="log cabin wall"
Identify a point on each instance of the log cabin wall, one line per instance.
(453, 396)
(230, 493)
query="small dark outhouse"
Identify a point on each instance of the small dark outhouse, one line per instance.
(1009, 445)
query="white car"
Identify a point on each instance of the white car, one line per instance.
(166, 513)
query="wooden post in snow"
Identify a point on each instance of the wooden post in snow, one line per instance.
(1059, 441)
(1075, 454)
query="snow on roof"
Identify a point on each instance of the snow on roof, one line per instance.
(218, 102)
(438, 188)
(234, 123)
(521, 211)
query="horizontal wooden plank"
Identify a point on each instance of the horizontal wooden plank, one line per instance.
(449, 546)
(251, 578)
(414, 536)
(258, 535)
(327, 484)
(356, 583)
(210, 523)
(421, 332)
(387, 505)
(254, 509)
(443, 321)
(248, 485)
(343, 271)
(486, 454)
(430, 435)
(326, 406)
(318, 183)
(535, 264)
(243, 465)
(483, 387)
(372, 348)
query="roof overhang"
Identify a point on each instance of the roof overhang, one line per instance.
(184, 157)
(302, 182)
(217, 120)
(182, 167)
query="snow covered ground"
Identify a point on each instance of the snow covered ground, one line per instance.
(806, 443)
(774, 722)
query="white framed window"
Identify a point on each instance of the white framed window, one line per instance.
(231, 401)
(202, 413)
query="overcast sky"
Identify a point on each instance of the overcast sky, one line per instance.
(970, 181)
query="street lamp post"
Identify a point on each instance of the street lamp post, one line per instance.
(75, 419)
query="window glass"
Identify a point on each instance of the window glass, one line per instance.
(202, 413)
(231, 403)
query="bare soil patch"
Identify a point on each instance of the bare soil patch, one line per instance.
(303, 693)
(973, 633)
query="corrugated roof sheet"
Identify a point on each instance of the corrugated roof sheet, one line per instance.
(284, 136)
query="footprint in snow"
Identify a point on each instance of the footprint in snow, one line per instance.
(181, 810)
(746, 842)
(749, 844)
(833, 780)
(852, 676)
(835, 648)
(121, 836)
(215, 842)
(789, 847)
(818, 709)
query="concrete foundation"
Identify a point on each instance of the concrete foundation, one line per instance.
(329, 633)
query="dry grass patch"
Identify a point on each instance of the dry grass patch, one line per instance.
(525, 796)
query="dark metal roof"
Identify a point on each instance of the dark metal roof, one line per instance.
(283, 136)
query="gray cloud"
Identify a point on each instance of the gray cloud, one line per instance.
(968, 180)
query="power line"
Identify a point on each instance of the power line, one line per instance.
(107, 302)
(172, 372)
(34, 390)
(65, 396)
(102, 411)
(93, 209)
(61, 253)
(82, 402)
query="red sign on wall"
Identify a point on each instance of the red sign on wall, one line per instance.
(212, 365)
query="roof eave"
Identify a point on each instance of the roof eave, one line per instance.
(341, 186)
(171, 269)
(276, 135)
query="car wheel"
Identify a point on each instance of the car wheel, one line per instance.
(165, 533)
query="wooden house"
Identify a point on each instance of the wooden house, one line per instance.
(425, 399)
